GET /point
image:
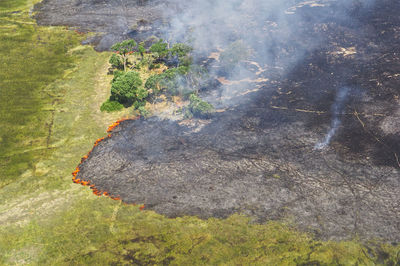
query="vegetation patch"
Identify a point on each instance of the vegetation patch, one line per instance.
(179, 76)
(32, 58)
(198, 108)
(111, 106)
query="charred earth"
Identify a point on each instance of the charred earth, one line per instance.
(261, 154)
(111, 21)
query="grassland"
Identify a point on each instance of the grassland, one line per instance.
(51, 90)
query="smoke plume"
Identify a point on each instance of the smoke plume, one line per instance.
(337, 109)
(270, 34)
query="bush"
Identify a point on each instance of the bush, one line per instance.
(127, 88)
(116, 62)
(159, 49)
(181, 50)
(117, 74)
(198, 108)
(172, 80)
(153, 84)
(111, 106)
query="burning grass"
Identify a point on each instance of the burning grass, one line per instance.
(96, 191)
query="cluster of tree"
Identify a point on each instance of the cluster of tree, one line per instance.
(158, 52)
(182, 79)
(171, 81)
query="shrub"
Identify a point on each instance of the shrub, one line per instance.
(111, 106)
(172, 80)
(153, 84)
(116, 62)
(198, 108)
(117, 74)
(127, 89)
(141, 50)
(159, 49)
(181, 50)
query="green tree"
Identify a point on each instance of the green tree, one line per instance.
(141, 50)
(160, 49)
(116, 62)
(123, 49)
(181, 50)
(127, 89)
(198, 108)
(117, 74)
(153, 84)
(173, 80)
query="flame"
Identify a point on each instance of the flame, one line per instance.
(115, 124)
(87, 183)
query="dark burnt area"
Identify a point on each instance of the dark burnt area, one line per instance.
(258, 157)
(112, 21)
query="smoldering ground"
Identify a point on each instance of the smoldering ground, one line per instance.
(256, 155)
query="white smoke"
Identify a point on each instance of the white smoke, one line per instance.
(337, 110)
(276, 34)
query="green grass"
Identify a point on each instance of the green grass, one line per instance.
(45, 219)
(13, 5)
(32, 57)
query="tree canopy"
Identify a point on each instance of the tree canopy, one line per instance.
(198, 108)
(127, 89)
(160, 49)
(116, 62)
(181, 50)
(123, 49)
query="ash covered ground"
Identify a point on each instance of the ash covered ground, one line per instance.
(263, 153)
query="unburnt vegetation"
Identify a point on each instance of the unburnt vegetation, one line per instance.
(140, 75)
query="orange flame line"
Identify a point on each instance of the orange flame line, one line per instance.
(84, 158)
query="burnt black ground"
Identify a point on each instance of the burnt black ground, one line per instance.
(111, 20)
(258, 157)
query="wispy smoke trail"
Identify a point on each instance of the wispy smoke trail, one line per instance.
(337, 110)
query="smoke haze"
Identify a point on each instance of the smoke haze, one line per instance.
(270, 33)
